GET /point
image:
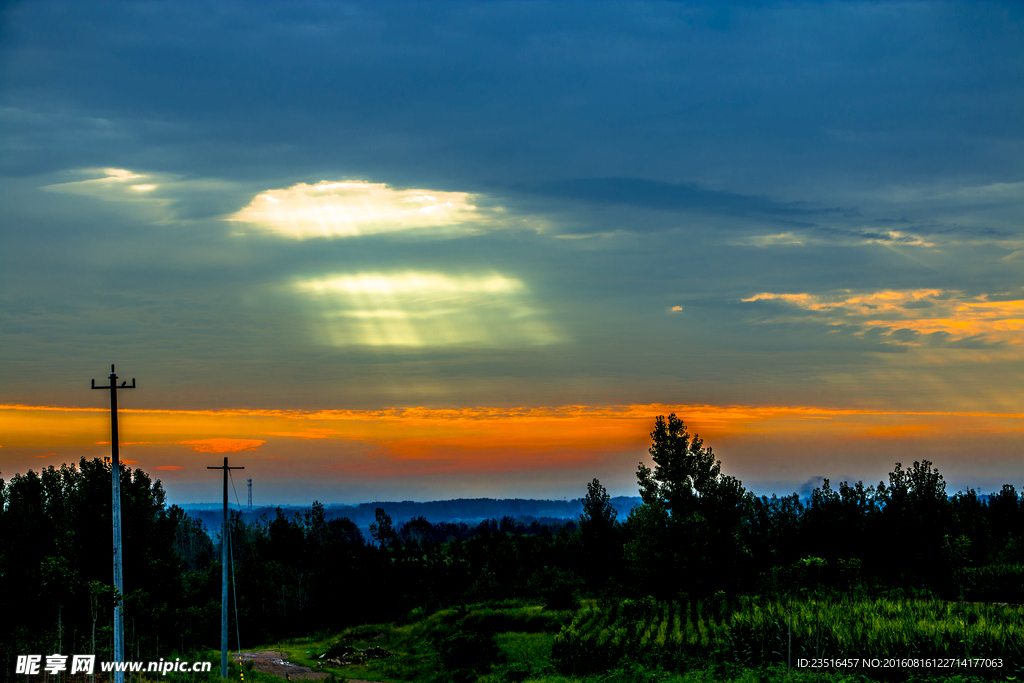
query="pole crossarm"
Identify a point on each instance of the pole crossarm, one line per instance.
(115, 492)
(224, 467)
(224, 573)
(124, 385)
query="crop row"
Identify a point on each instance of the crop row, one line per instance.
(760, 631)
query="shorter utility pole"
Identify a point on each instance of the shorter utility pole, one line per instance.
(250, 495)
(115, 490)
(224, 573)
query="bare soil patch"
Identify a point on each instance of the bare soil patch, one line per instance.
(277, 664)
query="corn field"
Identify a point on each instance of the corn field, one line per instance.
(756, 632)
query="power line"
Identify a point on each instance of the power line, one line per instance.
(224, 573)
(232, 479)
(234, 594)
(115, 492)
(234, 584)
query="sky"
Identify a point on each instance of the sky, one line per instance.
(378, 251)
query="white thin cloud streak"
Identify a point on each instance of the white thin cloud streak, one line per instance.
(116, 184)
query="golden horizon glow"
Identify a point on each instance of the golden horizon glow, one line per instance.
(925, 311)
(353, 207)
(415, 441)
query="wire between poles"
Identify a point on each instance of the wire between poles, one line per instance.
(234, 589)
(234, 595)
(232, 479)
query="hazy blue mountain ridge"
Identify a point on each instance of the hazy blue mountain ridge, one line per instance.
(469, 510)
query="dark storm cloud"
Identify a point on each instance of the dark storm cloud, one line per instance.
(653, 194)
(510, 93)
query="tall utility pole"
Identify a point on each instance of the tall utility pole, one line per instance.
(115, 488)
(224, 574)
(250, 495)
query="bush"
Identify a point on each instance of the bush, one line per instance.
(558, 588)
(464, 654)
(995, 583)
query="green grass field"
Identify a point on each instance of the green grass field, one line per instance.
(646, 642)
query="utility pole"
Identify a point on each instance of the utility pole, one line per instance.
(250, 495)
(224, 574)
(115, 488)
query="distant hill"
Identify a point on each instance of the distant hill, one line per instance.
(469, 510)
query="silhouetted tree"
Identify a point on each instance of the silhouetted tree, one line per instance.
(382, 530)
(916, 518)
(601, 545)
(693, 511)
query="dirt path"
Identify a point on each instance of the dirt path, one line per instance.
(277, 664)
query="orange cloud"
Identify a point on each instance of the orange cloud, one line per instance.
(925, 311)
(308, 434)
(223, 445)
(579, 424)
(170, 468)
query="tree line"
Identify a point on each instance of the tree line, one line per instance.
(697, 536)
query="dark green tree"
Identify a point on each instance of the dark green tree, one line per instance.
(1006, 520)
(598, 512)
(382, 530)
(694, 515)
(599, 535)
(917, 523)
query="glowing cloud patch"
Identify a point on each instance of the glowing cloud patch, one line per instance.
(425, 309)
(353, 208)
(923, 311)
(169, 468)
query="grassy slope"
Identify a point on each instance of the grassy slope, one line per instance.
(523, 634)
